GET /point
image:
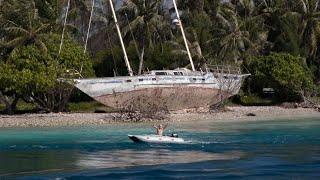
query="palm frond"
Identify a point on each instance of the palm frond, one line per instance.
(18, 41)
(41, 45)
(42, 28)
(179, 52)
(17, 31)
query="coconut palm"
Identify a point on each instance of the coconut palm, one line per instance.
(197, 29)
(307, 11)
(195, 6)
(22, 26)
(145, 23)
(43, 16)
(49, 10)
(309, 15)
(253, 21)
(229, 39)
(195, 48)
(239, 29)
(295, 26)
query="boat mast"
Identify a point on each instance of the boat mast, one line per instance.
(121, 40)
(183, 35)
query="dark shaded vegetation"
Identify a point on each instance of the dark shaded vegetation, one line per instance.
(291, 79)
(275, 40)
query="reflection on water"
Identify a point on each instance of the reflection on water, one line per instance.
(36, 161)
(124, 158)
(270, 149)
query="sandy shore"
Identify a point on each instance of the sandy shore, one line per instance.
(85, 119)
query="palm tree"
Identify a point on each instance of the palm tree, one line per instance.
(43, 16)
(307, 11)
(253, 22)
(295, 28)
(239, 29)
(197, 29)
(287, 36)
(50, 10)
(230, 40)
(195, 6)
(145, 24)
(195, 47)
(22, 26)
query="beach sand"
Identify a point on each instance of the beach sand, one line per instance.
(237, 113)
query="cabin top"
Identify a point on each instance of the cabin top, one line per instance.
(176, 72)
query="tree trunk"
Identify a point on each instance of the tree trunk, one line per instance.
(141, 61)
(3, 99)
(318, 74)
(14, 104)
(65, 99)
(10, 106)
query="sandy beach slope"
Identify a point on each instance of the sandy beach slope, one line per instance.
(86, 119)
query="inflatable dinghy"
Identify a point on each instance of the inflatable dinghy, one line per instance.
(156, 139)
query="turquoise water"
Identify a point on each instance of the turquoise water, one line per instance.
(286, 149)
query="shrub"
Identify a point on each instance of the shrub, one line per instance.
(287, 74)
(33, 75)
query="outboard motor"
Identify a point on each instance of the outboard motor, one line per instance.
(174, 135)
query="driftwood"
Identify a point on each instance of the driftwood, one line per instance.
(136, 111)
(251, 114)
(227, 87)
(290, 105)
(138, 116)
(308, 103)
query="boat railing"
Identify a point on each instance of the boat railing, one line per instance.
(223, 69)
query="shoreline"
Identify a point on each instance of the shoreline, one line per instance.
(233, 114)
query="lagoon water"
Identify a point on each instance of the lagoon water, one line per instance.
(286, 149)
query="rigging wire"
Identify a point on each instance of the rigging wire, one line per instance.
(140, 54)
(132, 35)
(89, 27)
(120, 38)
(183, 34)
(113, 56)
(64, 26)
(115, 68)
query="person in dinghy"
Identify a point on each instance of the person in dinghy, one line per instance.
(158, 138)
(160, 129)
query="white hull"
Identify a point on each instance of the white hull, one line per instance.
(156, 139)
(171, 92)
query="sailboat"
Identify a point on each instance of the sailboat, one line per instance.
(176, 89)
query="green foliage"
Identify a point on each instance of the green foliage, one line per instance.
(2, 107)
(88, 107)
(253, 100)
(287, 74)
(145, 21)
(23, 26)
(72, 57)
(163, 58)
(34, 75)
(21, 107)
(159, 57)
(224, 32)
(109, 62)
